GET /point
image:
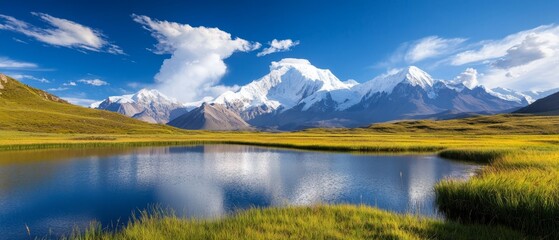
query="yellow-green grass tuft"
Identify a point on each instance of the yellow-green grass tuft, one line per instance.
(315, 222)
(520, 190)
(493, 124)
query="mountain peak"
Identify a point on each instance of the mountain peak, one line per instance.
(411, 75)
(210, 116)
(152, 95)
(416, 77)
(303, 67)
(290, 80)
(149, 105)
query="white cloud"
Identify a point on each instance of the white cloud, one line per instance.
(93, 82)
(278, 46)
(544, 38)
(421, 50)
(530, 49)
(69, 84)
(7, 63)
(30, 77)
(429, 47)
(19, 40)
(468, 78)
(57, 89)
(84, 102)
(196, 65)
(526, 60)
(61, 32)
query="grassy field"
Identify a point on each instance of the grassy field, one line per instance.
(518, 188)
(316, 222)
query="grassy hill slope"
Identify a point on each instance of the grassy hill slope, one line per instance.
(546, 106)
(493, 124)
(23, 108)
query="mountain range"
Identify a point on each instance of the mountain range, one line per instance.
(147, 105)
(296, 95)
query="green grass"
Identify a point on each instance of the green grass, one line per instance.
(484, 156)
(494, 124)
(519, 189)
(27, 109)
(316, 222)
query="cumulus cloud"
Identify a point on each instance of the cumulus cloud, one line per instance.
(278, 46)
(529, 45)
(526, 60)
(93, 82)
(429, 47)
(7, 63)
(468, 78)
(530, 49)
(69, 84)
(61, 32)
(196, 65)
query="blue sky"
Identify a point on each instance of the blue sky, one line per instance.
(91, 50)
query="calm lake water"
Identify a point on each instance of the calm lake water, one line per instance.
(51, 191)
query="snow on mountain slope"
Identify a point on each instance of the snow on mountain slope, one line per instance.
(510, 95)
(540, 94)
(526, 97)
(386, 83)
(147, 105)
(289, 81)
(347, 97)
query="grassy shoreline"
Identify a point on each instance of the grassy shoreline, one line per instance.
(518, 188)
(313, 222)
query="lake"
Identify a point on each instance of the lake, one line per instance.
(51, 191)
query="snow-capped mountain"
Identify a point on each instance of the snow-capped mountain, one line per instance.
(289, 81)
(535, 95)
(411, 76)
(147, 105)
(511, 95)
(296, 94)
(523, 97)
(409, 93)
(321, 100)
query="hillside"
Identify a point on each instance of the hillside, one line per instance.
(24, 108)
(493, 124)
(545, 106)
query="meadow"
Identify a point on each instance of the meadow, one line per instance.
(518, 188)
(314, 222)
